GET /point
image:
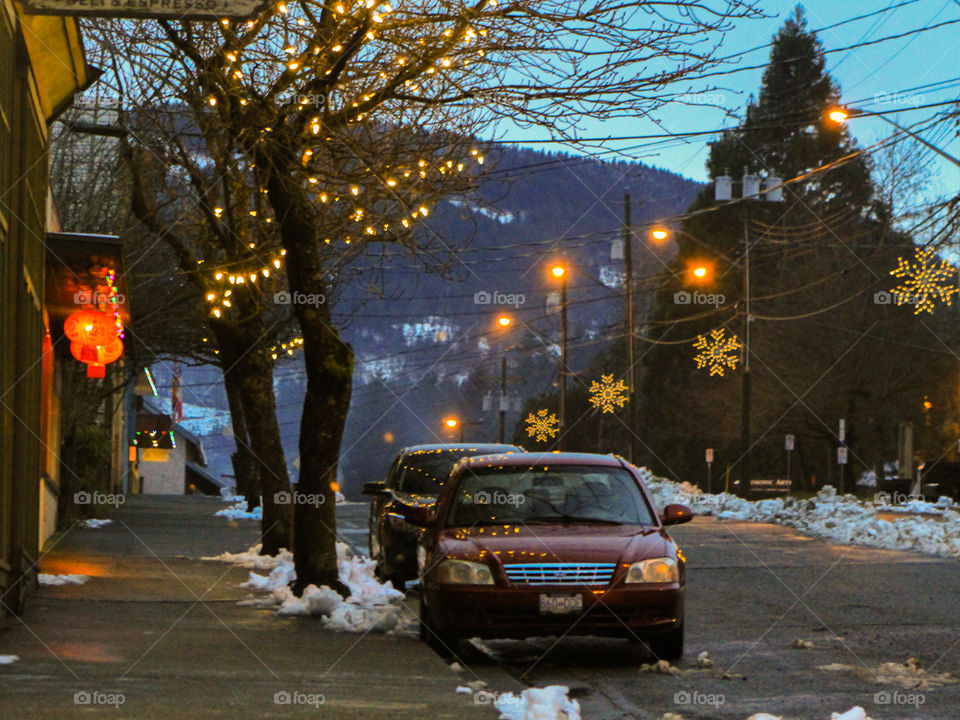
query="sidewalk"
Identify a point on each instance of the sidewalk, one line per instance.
(160, 630)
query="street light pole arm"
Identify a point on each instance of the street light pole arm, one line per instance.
(920, 140)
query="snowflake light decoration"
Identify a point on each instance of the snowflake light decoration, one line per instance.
(607, 394)
(923, 281)
(717, 352)
(542, 425)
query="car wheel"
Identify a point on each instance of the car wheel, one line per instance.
(440, 639)
(668, 646)
(382, 576)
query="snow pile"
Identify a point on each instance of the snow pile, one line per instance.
(844, 519)
(854, 713)
(45, 579)
(371, 606)
(549, 703)
(94, 524)
(238, 511)
(8, 659)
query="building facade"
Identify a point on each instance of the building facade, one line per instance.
(42, 67)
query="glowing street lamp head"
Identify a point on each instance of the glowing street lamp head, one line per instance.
(700, 272)
(659, 234)
(558, 270)
(504, 321)
(838, 115)
(451, 422)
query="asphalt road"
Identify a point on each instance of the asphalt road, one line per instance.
(753, 591)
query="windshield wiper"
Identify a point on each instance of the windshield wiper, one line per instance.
(572, 519)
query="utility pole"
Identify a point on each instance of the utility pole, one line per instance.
(503, 398)
(745, 378)
(561, 440)
(632, 454)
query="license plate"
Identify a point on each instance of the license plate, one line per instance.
(561, 604)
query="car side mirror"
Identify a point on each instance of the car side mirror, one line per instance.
(376, 488)
(674, 514)
(421, 515)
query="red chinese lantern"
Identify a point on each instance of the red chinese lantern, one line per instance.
(97, 356)
(90, 327)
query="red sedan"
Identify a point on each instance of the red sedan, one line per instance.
(550, 544)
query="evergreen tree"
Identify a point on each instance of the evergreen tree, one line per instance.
(821, 347)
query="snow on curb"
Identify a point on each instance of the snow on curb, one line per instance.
(844, 519)
(549, 703)
(8, 659)
(45, 579)
(94, 524)
(371, 606)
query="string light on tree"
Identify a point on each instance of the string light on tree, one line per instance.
(607, 394)
(924, 280)
(717, 351)
(542, 425)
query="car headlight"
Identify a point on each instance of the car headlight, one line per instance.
(654, 570)
(463, 572)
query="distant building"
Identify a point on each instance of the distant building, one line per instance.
(169, 459)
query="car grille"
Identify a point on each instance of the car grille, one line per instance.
(560, 573)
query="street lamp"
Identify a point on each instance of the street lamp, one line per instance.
(841, 114)
(504, 321)
(560, 272)
(659, 234)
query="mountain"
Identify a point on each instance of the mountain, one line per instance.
(423, 327)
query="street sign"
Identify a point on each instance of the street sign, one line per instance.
(788, 442)
(709, 455)
(841, 456)
(842, 434)
(174, 9)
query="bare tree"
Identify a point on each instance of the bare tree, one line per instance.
(342, 123)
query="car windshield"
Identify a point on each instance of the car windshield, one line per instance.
(548, 494)
(424, 471)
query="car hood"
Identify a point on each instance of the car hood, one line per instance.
(545, 543)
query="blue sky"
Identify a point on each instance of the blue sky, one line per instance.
(876, 78)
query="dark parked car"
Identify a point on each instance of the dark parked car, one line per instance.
(542, 544)
(414, 479)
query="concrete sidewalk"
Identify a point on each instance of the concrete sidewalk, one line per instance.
(158, 633)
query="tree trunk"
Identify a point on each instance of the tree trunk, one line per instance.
(244, 357)
(329, 367)
(244, 467)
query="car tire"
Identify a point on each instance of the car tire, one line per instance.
(668, 646)
(438, 638)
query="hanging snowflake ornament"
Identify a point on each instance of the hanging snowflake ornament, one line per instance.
(923, 281)
(607, 394)
(717, 352)
(542, 425)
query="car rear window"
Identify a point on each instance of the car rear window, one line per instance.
(425, 471)
(562, 493)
